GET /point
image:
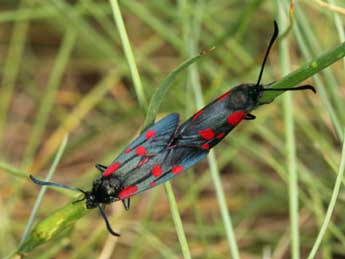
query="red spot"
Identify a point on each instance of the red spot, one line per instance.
(235, 117)
(205, 146)
(196, 115)
(224, 96)
(206, 134)
(153, 183)
(140, 151)
(177, 169)
(111, 169)
(150, 134)
(156, 170)
(128, 191)
(220, 135)
(143, 161)
(128, 150)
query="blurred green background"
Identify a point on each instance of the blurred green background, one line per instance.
(63, 70)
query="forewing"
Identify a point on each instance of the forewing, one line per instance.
(147, 144)
(161, 168)
(209, 125)
(179, 160)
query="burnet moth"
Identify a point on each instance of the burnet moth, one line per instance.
(166, 149)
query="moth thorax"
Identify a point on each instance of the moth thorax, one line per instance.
(106, 189)
(244, 97)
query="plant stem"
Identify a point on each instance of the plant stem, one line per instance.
(331, 205)
(43, 190)
(129, 53)
(306, 71)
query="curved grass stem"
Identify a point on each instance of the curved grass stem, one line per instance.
(331, 205)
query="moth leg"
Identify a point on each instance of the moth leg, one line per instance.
(101, 168)
(126, 203)
(250, 116)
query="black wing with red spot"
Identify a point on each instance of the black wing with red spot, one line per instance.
(211, 124)
(145, 146)
(187, 146)
(161, 168)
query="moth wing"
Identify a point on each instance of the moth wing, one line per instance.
(148, 143)
(207, 127)
(164, 166)
(179, 160)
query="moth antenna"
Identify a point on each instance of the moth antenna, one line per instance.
(298, 88)
(60, 185)
(273, 39)
(111, 231)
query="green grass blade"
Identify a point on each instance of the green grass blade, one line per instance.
(12, 170)
(43, 190)
(197, 91)
(49, 95)
(11, 70)
(152, 111)
(161, 91)
(290, 142)
(129, 53)
(54, 225)
(98, 41)
(74, 118)
(217, 181)
(339, 24)
(153, 108)
(177, 220)
(306, 71)
(331, 205)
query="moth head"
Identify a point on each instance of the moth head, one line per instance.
(105, 189)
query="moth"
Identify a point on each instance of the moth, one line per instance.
(167, 149)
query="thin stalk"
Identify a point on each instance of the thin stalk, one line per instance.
(74, 118)
(49, 95)
(331, 205)
(12, 170)
(196, 86)
(43, 190)
(70, 14)
(177, 220)
(141, 98)
(305, 71)
(339, 26)
(11, 70)
(217, 181)
(129, 53)
(290, 143)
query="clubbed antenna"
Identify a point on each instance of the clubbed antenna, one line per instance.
(298, 88)
(273, 39)
(59, 185)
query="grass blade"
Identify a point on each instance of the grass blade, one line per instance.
(11, 70)
(306, 71)
(177, 220)
(43, 189)
(216, 179)
(49, 95)
(129, 53)
(290, 144)
(331, 205)
(53, 226)
(12, 170)
(161, 91)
